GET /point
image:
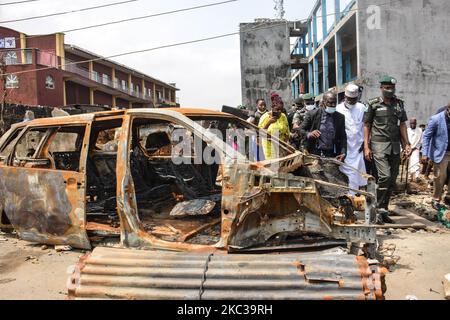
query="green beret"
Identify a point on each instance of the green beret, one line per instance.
(388, 80)
(307, 96)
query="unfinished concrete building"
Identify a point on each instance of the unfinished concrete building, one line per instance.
(361, 40)
(266, 59)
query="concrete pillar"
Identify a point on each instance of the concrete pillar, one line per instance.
(311, 78)
(60, 50)
(326, 81)
(114, 101)
(130, 105)
(23, 46)
(91, 70)
(154, 95)
(339, 69)
(324, 19)
(304, 45)
(91, 96)
(143, 88)
(314, 22)
(337, 11)
(64, 93)
(130, 84)
(310, 44)
(316, 76)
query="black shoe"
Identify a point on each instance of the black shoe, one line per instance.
(379, 220)
(386, 219)
(383, 217)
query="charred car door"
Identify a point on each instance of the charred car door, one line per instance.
(42, 184)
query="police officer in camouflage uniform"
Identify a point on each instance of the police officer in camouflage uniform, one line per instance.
(385, 128)
(308, 104)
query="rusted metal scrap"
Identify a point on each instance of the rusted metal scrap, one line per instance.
(109, 273)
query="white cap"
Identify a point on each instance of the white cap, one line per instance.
(352, 91)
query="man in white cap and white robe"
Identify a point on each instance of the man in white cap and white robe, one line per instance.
(415, 135)
(354, 126)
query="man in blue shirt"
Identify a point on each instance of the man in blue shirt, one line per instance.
(437, 149)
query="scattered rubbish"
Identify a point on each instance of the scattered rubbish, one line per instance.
(63, 248)
(3, 239)
(4, 281)
(444, 216)
(33, 259)
(387, 251)
(434, 291)
(193, 208)
(447, 286)
(411, 297)
(44, 247)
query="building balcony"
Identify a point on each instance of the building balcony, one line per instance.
(28, 56)
(115, 85)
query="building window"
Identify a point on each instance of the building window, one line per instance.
(124, 85)
(150, 92)
(49, 82)
(11, 58)
(94, 76)
(138, 89)
(105, 78)
(12, 81)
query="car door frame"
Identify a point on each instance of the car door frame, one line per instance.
(47, 205)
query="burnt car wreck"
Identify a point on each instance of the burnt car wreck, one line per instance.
(108, 178)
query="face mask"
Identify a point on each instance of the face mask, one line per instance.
(310, 107)
(330, 110)
(388, 93)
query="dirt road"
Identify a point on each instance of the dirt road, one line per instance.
(424, 261)
(28, 272)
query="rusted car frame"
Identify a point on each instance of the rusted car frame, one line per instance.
(48, 205)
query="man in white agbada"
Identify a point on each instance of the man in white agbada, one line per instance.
(354, 127)
(415, 135)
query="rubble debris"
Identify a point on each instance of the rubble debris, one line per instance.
(193, 208)
(3, 239)
(63, 248)
(386, 251)
(411, 297)
(447, 286)
(33, 259)
(44, 247)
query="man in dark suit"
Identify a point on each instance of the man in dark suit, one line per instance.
(324, 130)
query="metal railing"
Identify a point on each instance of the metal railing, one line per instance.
(115, 84)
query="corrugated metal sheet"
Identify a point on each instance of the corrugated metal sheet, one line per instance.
(133, 274)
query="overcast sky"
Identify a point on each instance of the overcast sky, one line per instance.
(208, 73)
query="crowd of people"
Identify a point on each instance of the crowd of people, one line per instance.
(371, 137)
